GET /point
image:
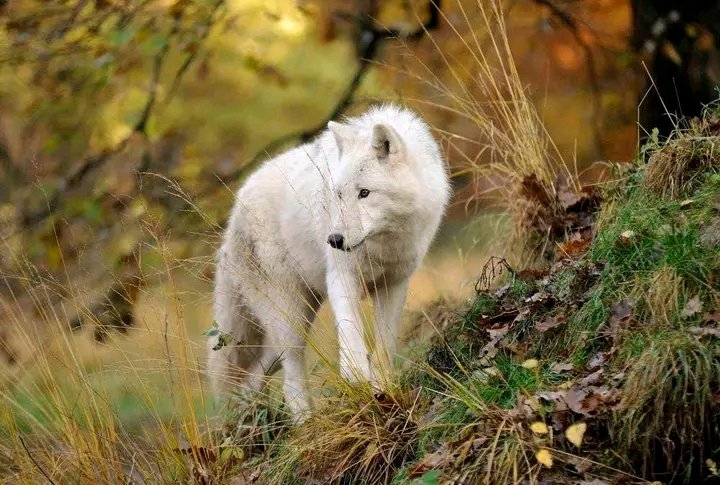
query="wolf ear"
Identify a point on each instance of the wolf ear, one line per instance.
(386, 142)
(340, 132)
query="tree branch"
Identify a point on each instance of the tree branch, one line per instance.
(93, 163)
(193, 55)
(37, 465)
(368, 41)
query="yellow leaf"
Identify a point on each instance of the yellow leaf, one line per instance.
(544, 457)
(530, 363)
(538, 427)
(575, 433)
(671, 53)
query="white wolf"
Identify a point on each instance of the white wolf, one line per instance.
(349, 214)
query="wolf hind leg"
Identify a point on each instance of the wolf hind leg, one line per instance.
(288, 323)
(238, 344)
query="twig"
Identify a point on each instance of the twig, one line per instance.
(368, 41)
(193, 55)
(37, 465)
(93, 163)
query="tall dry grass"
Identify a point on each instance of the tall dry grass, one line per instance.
(510, 144)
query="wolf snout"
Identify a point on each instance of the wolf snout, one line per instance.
(336, 240)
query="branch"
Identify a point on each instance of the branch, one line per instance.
(37, 465)
(368, 41)
(193, 55)
(94, 162)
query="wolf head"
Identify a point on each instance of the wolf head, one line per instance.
(374, 189)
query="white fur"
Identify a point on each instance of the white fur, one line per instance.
(275, 266)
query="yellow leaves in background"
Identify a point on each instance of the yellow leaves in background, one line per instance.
(544, 457)
(575, 433)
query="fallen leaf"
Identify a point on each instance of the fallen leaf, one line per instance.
(712, 317)
(540, 428)
(533, 190)
(498, 333)
(582, 465)
(555, 397)
(536, 297)
(544, 457)
(528, 405)
(550, 323)
(530, 364)
(484, 375)
(591, 379)
(626, 237)
(560, 367)
(617, 378)
(566, 385)
(574, 400)
(710, 232)
(597, 360)
(566, 195)
(575, 433)
(621, 310)
(573, 247)
(715, 332)
(621, 313)
(686, 202)
(692, 307)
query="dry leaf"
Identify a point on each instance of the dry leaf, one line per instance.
(715, 332)
(538, 427)
(544, 457)
(591, 379)
(627, 236)
(575, 433)
(549, 323)
(555, 397)
(573, 248)
(536, 297)
(712, 317)
(710, 232)
(583, 465)
(530, 364)
(560, 367)
(528, 405)
(621, 313)
(692, 307)
(597, 360)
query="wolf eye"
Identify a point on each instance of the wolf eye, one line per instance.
(363, 193)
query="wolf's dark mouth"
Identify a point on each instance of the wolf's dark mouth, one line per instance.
(353, 248)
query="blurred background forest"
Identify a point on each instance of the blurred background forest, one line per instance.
(125, 126)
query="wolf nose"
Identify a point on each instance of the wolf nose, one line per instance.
(336, 240)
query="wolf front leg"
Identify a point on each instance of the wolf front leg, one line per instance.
(389, 301)
(344, 292)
